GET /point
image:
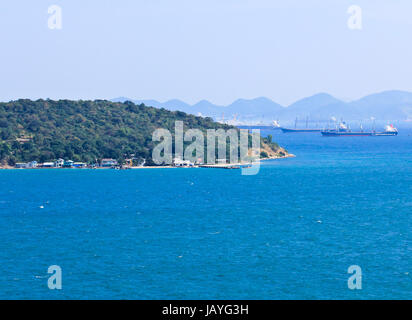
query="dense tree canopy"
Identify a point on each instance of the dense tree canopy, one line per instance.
(45, 130)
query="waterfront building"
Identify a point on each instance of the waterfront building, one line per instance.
(59, 163)
(48, 165)
(107, 163)
(79, 165)
(68, 164)
(177, 162)
(32, 164)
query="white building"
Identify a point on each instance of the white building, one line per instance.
(107, 163)
(32, 164)
(59, 163)
(79, 165)
(48, 165)
(177, 162)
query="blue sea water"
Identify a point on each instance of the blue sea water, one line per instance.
(289, 232)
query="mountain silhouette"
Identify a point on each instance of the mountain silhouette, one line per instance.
(387, 105)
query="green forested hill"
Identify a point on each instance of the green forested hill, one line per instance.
(44, 130)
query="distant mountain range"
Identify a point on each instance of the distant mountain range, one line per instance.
(387, 105)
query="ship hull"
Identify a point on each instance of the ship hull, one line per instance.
(357, 134)
(287, 130)
(386, 134)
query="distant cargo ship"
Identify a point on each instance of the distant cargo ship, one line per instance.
(291, 130)
(343, 130)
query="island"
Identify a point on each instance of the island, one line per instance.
(94, 134)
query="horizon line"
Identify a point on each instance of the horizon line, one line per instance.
(258, 97)
(124, 98)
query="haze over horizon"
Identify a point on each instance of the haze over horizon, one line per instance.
(177, 99)
(214, 50)
(387, 105)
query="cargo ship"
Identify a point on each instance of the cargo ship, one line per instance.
(343, 130)
(289, 130)
(292, 130)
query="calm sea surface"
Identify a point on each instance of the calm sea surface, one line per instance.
(289, 232)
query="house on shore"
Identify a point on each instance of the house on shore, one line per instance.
(79, 165)
(55, 164)
(221, 161)
(48, 165)
(108, 163)
(59, 163)
(177, 162)
(32, 164)
(68, 164)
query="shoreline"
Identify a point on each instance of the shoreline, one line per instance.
(289, 155)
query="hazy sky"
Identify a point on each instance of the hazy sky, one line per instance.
(218, 50)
